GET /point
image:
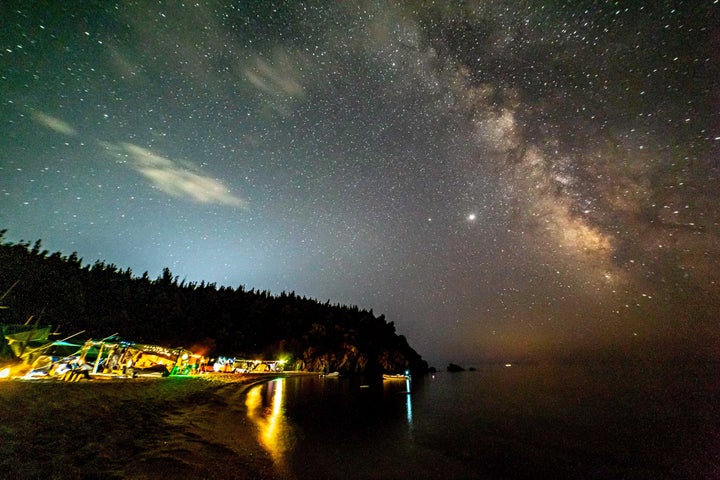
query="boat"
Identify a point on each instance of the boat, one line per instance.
(330, 375)
(396, 376)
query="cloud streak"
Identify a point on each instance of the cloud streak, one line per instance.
(176, 181)
(163, 173)
(54, 124)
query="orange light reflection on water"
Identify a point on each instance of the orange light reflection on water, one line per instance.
(274, 432)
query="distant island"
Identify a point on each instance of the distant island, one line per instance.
(103, 299)
(455, 368)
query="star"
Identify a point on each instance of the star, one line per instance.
(296, 148)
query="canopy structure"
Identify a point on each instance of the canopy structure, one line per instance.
(22, 341)
(258, 366)
(113, 355)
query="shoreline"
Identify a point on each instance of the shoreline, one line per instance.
(144, 429)
(214, 438)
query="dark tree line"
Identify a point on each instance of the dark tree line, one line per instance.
(103, 299)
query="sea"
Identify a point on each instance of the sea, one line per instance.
(596, 421)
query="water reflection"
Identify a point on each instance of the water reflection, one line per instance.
(393, 388)
(265, 408)
(408, 402)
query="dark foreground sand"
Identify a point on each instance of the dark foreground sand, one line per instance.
(155, 428)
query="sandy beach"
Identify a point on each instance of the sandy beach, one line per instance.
(154, 428)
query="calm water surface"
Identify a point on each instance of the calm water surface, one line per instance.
(631, 422)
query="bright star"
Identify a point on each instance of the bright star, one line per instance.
(471, 217)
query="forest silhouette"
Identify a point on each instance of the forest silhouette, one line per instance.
(102, 299)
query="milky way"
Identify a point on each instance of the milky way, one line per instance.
(502, 180)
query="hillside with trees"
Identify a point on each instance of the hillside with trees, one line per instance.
(103, 299)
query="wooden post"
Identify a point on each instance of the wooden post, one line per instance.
(97, 361)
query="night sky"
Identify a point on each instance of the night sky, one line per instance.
(503, 180)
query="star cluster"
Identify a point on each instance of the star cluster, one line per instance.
(500, 179)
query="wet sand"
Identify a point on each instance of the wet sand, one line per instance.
(154, 428)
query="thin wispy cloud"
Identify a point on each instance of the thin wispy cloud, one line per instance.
(54, 124)
(177, 181)
(163, 173)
